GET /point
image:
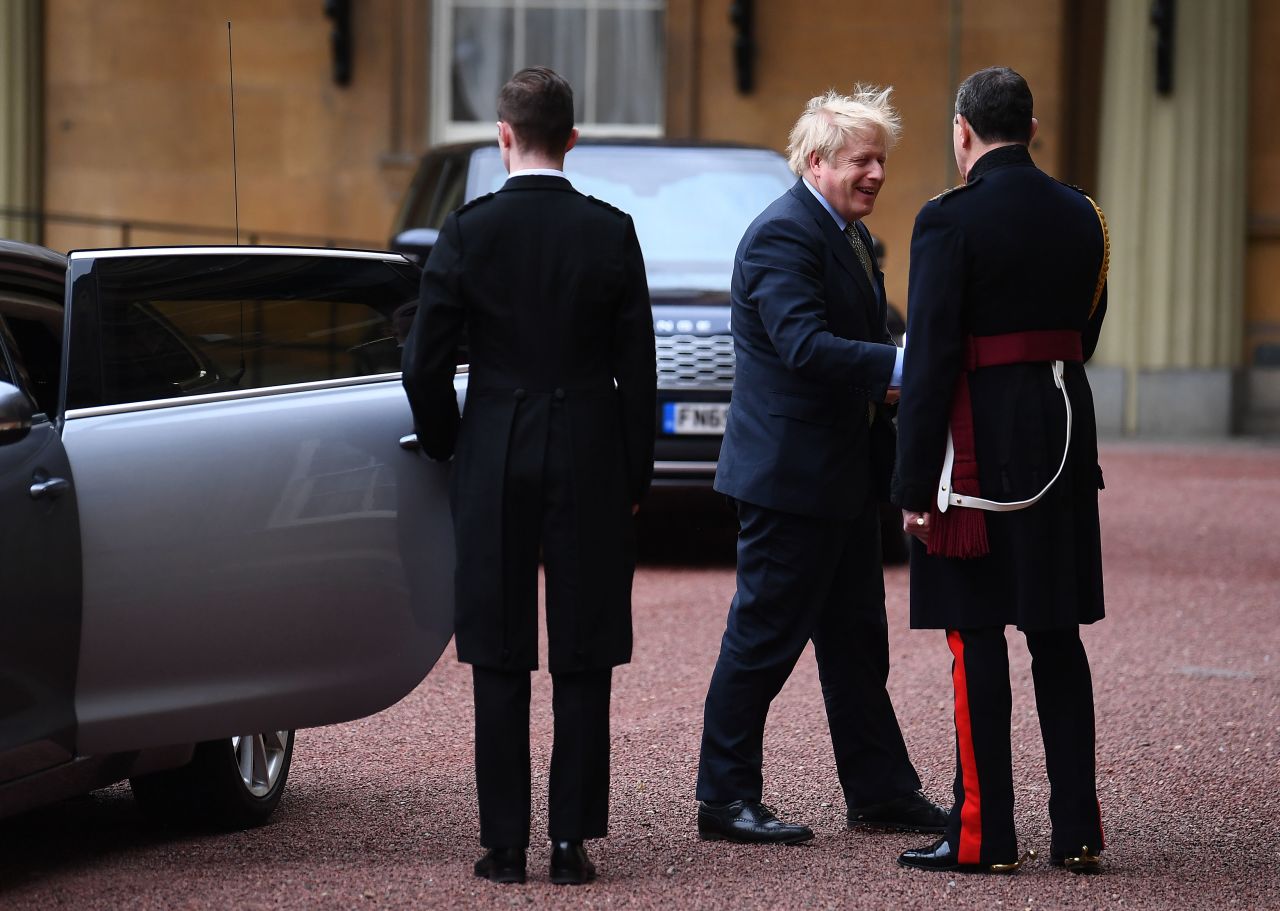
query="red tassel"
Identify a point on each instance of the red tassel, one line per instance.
(960, 531)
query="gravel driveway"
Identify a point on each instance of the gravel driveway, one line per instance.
(381, 813)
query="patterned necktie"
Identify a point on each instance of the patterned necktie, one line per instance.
(860, 250)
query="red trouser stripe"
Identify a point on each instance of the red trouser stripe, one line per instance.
(969, 851)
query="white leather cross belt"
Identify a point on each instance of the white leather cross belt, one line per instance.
(948, 497)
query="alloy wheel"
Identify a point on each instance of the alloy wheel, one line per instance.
(260, 758)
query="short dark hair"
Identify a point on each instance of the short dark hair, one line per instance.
(538, 104)
(997, 103)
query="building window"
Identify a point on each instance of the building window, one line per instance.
(611, 51)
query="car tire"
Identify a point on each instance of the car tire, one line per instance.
(234, 783)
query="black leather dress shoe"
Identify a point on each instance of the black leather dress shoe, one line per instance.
(909, 813)
(502, 865)
(1086, 860)
(570, 865)
(747, 821)
(939, 856)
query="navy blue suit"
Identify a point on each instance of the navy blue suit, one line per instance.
(813, 356)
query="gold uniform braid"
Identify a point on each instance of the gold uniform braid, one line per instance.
(1106, 256)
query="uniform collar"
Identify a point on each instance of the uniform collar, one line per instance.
(538, 172)
(526, 180)
(1000, 157)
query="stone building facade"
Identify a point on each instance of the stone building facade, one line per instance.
(115, 126)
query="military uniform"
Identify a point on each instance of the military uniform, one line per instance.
(1011, 255)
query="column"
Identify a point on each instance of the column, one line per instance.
(20, 116)
(1172, 183)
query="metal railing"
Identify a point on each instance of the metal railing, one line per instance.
(129, 228)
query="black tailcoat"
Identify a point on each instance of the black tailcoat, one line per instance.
(1013, 250)
(556, 440)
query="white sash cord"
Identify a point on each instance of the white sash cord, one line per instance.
(947, 497)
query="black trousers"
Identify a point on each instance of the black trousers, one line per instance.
(981, 828)
(801, 579)
(578, 792)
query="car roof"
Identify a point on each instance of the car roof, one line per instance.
(627, 141)
(27, 269)
(231, 249)
(16, 252)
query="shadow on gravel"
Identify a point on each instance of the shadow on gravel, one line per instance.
(76, 834)
(79, 844)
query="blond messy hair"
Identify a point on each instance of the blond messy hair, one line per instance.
(831, 119)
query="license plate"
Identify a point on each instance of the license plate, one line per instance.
(695, 417)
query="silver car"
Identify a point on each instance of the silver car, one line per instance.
(210, 534)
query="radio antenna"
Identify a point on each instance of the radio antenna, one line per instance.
(235, 189)
(235, 182)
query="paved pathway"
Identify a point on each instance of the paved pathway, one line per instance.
(381, 813)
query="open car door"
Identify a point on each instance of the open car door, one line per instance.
(259, 552)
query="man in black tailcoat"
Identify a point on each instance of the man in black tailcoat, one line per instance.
(551, 458)
(1006, 298)
(814, 365)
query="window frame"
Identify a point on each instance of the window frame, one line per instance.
(8, 371)
(446, 130)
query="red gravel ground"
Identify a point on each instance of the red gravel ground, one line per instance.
(381, 813)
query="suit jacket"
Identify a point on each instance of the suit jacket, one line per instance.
(549, 286)
(1012, 250)
(812, 350)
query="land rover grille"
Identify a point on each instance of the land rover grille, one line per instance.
(695, 362)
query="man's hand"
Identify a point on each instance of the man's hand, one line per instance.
(891, 397)
(916, 524)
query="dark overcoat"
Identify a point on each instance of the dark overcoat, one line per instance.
(549, 287)
(1012, 250)
(812, 351)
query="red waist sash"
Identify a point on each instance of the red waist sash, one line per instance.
(962, 531)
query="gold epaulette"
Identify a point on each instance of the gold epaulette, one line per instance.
(949, 191)
(1106, 254)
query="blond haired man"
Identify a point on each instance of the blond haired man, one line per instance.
(815, 368)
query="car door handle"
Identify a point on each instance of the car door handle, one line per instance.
(410, 442)
(52, 488)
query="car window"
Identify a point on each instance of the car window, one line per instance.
(451, 193)
(10, 360)
(690, 205)
(12, 369)
(417, 211)
(191, 324)
(38, 351)
(6, 370)
(31, 315)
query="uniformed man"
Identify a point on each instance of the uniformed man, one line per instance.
(553, 454)
(997, 471)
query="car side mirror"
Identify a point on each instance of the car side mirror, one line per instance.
(415, 243)
(15, 414)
